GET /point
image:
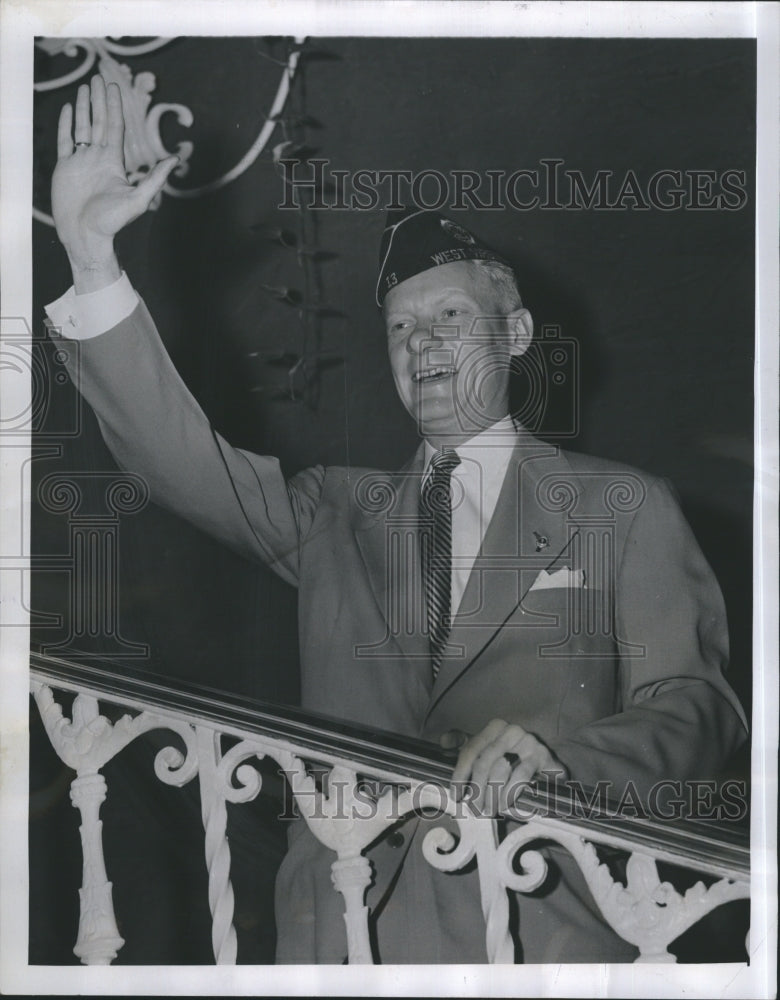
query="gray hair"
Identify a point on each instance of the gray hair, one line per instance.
(500, 282)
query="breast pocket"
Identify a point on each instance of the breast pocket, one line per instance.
(577, 651)
(572, 621)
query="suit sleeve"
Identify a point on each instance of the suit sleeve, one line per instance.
(153, 426)
(679, 718)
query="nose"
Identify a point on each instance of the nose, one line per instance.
(423, 337)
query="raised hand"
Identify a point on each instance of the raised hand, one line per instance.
(91, 197)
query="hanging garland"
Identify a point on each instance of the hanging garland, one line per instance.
(305, 365)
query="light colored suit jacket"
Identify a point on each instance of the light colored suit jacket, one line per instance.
(622, 677)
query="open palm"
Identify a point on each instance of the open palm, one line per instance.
(91, 196)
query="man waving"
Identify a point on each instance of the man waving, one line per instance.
(462, 599)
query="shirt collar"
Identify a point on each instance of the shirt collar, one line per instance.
(484, 458)
(482, 445)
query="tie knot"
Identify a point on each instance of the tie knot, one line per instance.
(436, 492)
(443, 462)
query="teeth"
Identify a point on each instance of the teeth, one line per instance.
(427, 373)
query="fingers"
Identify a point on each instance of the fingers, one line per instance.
(497, 762)
(91, 115)
(83, 129)
(98, 94)
(453, 739)
(538, 762)
(115, 120)
(154, 183)
(512, 738)
(526, 770)
(474, 748)
(64, 138)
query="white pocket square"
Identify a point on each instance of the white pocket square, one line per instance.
(569, 578)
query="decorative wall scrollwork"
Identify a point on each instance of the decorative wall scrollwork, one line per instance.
(92, 48)
(143, 143)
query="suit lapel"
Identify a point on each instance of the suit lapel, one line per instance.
(386, 532)
(524, 536)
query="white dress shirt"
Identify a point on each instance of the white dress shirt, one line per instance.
(477, 481)
(476, 484)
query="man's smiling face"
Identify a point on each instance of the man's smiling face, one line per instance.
(449, 346)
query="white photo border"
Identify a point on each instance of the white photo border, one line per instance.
(20, 23)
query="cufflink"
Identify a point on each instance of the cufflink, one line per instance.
(542, 541)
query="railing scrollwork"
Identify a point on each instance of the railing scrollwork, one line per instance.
(645, 911)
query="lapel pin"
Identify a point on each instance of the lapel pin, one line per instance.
(542, 541)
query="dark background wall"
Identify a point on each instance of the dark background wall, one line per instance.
(660, 303)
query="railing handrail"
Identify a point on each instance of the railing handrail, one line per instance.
(696, 844)
(373, 749)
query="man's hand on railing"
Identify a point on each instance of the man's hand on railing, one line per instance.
(92, 199)
(495, 765)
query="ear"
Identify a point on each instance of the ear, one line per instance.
(520, 326)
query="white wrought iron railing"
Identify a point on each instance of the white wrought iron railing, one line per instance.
(222, 735)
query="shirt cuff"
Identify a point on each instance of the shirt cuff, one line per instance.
(81, 317)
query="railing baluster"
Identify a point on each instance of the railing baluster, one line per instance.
(214, 813)
(495, 902)
(98, 941)
(330, 817)
(351, 877)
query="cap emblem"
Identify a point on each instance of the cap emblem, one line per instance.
(456, 231)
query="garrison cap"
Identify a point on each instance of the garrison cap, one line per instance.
(416, 240)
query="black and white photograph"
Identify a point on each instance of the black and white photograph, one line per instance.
(389, 486)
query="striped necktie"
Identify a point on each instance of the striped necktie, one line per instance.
(436, 550)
